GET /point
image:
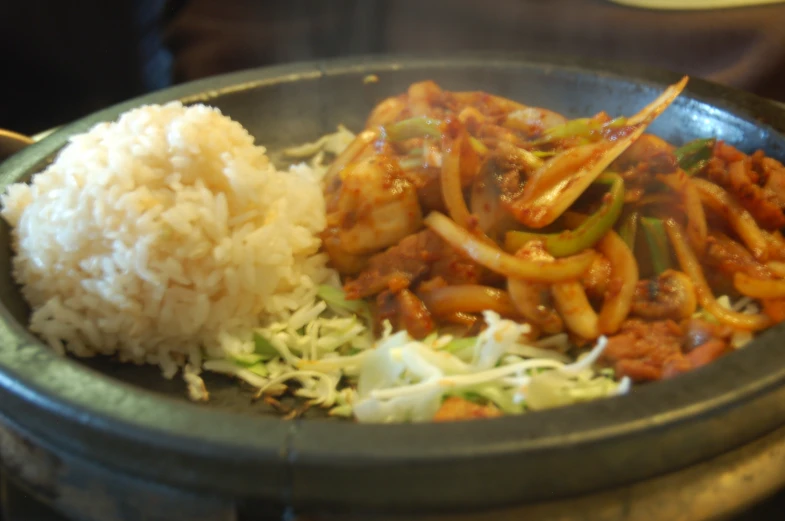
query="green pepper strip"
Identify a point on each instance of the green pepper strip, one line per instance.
(582, 127)
(422, 126)
(586, 235)
(629, 230)
(693, 156)
(657, 239)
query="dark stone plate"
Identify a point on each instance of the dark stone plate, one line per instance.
(130, 422)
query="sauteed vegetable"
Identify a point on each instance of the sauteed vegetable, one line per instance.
(449, 204)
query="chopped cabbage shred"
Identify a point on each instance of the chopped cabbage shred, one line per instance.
(329, 350)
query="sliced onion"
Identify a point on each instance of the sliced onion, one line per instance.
(468, 298)
(758, 288)
(350, 153)
(689, 263)
(453, 140)
(697, 229)
(623, 280)
(575, 309)
(493, 258)
(777, 267)
(742, 222)
(656, 107)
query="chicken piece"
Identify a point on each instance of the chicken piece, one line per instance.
(646, 351)
(698, 331)
(671, 295)
(404, 310)
(596, 278)
(417, 257)
(499, 180)
(727, 257)
(455, 408)
(374, 207)
(743, 176)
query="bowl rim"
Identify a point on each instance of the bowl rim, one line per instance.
(159, 437)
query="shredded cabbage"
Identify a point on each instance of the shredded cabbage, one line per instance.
(405, 380)
(328, 349)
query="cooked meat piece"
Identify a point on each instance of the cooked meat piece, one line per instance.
(374, 207)
(698, 331)
(646, 351)
(724, 257)
(772, 175)
(428, 182)
(500, 179)
(403, 310)
(455, 408)
(414, 316)
(670, 295)
(748, 178)
(596, 278)
(707, 352)
(416, 257)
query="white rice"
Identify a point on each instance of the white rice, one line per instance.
(160, 232)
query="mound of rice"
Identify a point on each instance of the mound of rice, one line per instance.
(154, 236)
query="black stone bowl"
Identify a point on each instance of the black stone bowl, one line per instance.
(133, 425)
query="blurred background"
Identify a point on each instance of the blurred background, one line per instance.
(62, 60)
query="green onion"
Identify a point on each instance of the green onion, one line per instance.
(412, 128)
(586, 235)
(582, 128)
(693, 156)
(657, 239)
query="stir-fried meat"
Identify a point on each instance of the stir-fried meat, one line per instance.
(772, 175)
(698, 331)
(428, 182)
(515, 164)
(455, 408)
(754, 184)
(405, 311)
(596, 278)
(417, 257)
(374, 207)
(500, 179)
(670, 295)
(727, 257)
(646, 351)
